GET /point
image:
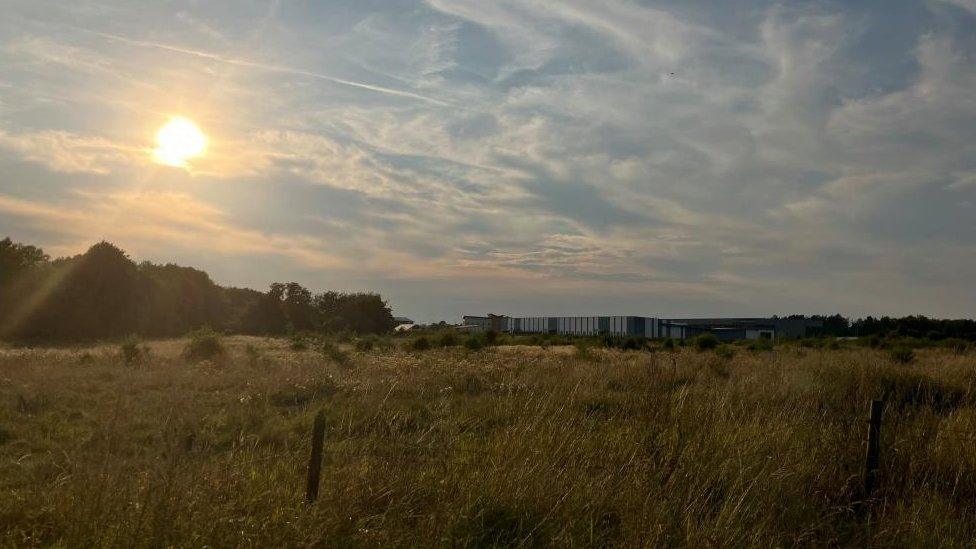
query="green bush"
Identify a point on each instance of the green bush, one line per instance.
(421, 344)
(491, 337)
(298, 343)
(624, 343)
(204, 344)
(365, 344)
(904, 389)
(583, 349)
(958, 346)
(473, 342)
(668, 344)
(448, 339)
(331, 351)
(903, 355)
(5, 435)
(705, 342)
(253, 355)
(132, 352)
(725, 351)
(757, 345)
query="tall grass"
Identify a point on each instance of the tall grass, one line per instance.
(505, 446)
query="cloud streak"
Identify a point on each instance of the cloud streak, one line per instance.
(239, 62)
(662, 158)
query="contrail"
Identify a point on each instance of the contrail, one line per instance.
(264, 66)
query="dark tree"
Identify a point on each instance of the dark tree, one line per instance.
(364, 313)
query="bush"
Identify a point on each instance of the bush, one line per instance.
(298, 343)
(904, 389)
(958, 346)
(473, 343)
(365, 344)
(132, 353)
(448, 339)
(582, 349)
(725, 351)
(903, 355)
(5, 435)
(624, 343)
(669, 344)
(253, 355)
(333, 352)
(204, 344)
(491, 337)
(421, 344)
(757, 345)
(705, 342)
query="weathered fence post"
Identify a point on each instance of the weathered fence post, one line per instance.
(874, 448)
(315, 461)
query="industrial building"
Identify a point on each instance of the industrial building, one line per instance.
(726, 329)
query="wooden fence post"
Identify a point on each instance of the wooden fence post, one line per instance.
(315, 461)
(874, 448)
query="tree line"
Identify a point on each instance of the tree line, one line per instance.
(917, 326)
(103, 294)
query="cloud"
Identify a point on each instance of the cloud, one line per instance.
(738, 159)
(246, 63)
(71, 153)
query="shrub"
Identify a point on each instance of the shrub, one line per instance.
(624, 343)
(904, 389)
(448, 339)
(582, 349)
(725, 351)
(252, 354)
(365, 344)
(333, 352)
(493, 524)
(757, 345)
(298, 343)
(131, 351)
(668, 344)
(903, 355)
(705, 342)
(491, 337)
(470, 385)
(473, 343)
(958, 346)
(421, 344)
(204, 344)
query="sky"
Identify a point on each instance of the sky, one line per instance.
(672, 159)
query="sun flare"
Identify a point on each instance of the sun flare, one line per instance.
(178, 141)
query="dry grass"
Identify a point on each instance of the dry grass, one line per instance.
(505, 446)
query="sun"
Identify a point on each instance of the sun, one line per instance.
(178, 141)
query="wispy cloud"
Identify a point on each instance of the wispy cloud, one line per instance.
(672, 157)
(239, 62)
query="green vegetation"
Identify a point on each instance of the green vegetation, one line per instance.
(421, 343)
(204, 344)
(104, 295)
(510, 445)
(903, 355)
(706, 342)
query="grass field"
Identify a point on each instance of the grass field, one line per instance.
(511, 445)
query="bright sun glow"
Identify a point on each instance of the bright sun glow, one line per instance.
(178, 141)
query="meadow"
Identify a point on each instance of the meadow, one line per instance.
(516, 445)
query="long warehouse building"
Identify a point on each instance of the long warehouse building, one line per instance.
(650, 327)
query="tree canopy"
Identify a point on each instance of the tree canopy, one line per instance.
(104, 294)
